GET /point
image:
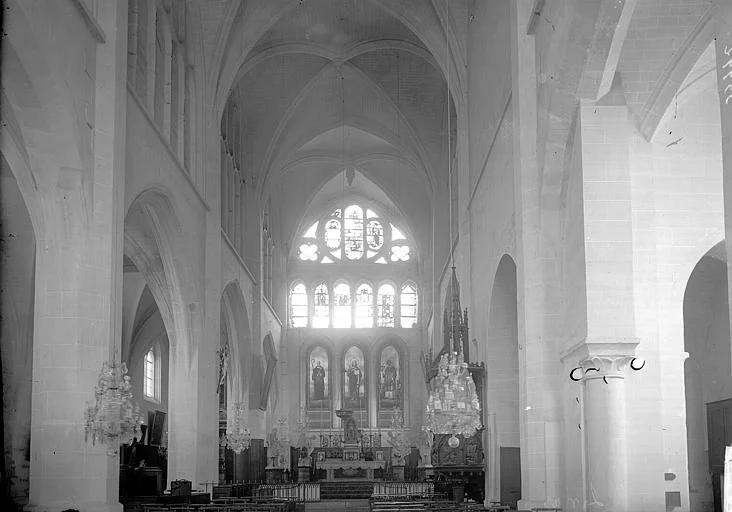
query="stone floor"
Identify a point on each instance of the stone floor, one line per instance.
(338, 505)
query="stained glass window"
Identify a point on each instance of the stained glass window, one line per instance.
(364, 306)
(299, 305)
(333, 234)
(342, 305)
(308, 251)
(353, 233)
(408, 306)
(321, 308)
(375, 235)
(385, 306)
(353, 224)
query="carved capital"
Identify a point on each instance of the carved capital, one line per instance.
(604, 367)
(601, 359)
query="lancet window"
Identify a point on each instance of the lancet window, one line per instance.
(341, 305)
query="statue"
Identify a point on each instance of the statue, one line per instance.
(389, 380)
(273, 448)
(318, 381)
(354, 380)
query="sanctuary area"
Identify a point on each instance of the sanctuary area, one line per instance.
(280, 255)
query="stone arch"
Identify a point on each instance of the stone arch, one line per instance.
(675, 74)
(149, 228)
(15, 158)
(501, 402)
(18, 245)
(707, 373)
(236, 317)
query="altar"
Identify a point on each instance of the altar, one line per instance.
(350, 469)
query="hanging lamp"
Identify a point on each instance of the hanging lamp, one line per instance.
(114, 418)
(453, 407)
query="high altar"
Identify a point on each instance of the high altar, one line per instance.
(349, 461)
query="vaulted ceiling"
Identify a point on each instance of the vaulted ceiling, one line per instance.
(336, 84)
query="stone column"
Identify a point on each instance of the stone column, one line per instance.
(78, 291)
(600, 369)
(605, 436)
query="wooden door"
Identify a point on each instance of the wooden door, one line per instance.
(510, 475)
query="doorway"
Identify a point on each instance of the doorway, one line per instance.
(510, 459)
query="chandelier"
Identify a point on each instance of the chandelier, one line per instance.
(114, 418)
(238, 437)
(453, 406)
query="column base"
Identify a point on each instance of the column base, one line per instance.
(529, 504)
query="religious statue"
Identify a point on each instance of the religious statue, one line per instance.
(389, 380)
(273, 448)
(318, 381)
(354, 380)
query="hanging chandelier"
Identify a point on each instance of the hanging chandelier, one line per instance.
(114, 418)
(238, 437)
(453, 406)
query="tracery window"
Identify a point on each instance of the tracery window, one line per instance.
(354, 233)
(354, 240)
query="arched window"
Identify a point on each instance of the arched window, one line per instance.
(364, 306)
(408, 306)
(298, 305)
(321, 309)
(342, 305)
(150, 372)
(385, 306)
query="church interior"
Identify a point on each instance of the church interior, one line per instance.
(279, 254)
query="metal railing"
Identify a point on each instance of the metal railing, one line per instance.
(302, 492)
(389, 489)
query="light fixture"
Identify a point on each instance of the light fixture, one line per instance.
(238, 437)
(114, 418)
(453, 406)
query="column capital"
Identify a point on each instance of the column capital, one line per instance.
(600, 358)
